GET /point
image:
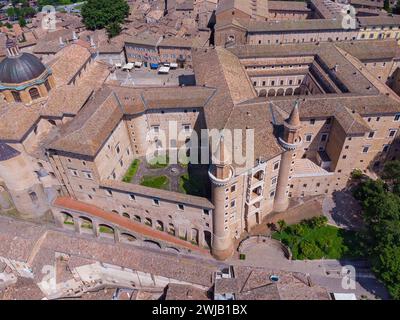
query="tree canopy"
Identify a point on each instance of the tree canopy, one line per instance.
(99, 14)
(381, 213)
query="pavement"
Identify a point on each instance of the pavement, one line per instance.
(147, 77)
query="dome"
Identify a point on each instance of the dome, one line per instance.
(19, 69)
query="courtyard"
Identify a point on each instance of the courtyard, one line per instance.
(183, 178)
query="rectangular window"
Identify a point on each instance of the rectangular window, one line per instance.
(74, 172)
(324, 137)
(156, 202)
(397, 117)
(155, 129)
(371, 135)
(87, 174)
(181, 207)
(233, 188)
(392, 132)
(386, 148)
(276, 165)
(132, 197)
(206, 212)
(312, 121)
(365, 149)
(186, 127)
(274, 180)
(272, 194)
(308, 137)
(233, 203)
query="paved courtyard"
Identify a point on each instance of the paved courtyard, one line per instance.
(147, 77)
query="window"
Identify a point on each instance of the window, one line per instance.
(308, 137)
(272, 194)
(328, 121)
(74, 172)
(233, 188)
(233, 203)
(386, 148)
(186, 127)
(156, 202)
(324, 137)
(155, 129)
(312, 121)
(117, 149)
(392, 132)
(397, 117)
(33, 196)
(121, 163)
(276, 165)
(365, 149)
(108, 192)
(16, 96)
(181, 207)
(371, 135)
(34, 93)
(305, 185)
(206, 212)
(344, 156)
(132, 197)
(87, 174)
(378, 118)
(274, 180)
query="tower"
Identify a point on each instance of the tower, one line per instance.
(220, 174)
(290, 141)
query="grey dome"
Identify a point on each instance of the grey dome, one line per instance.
(21, 68)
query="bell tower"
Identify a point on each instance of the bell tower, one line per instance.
(290, 141)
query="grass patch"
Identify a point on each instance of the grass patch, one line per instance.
(159, 162)
(68, 222)
(130, 173)
(104, 229)
(307, 240)
(158, 182)
(194, 185)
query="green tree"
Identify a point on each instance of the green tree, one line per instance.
(386, 6)
(22, 21)
(113, 29)
(98, 14)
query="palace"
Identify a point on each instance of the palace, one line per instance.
(68, 135)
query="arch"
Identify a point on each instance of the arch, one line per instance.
(34, 93)
(289, 92)
(33, 196)
(148, 222)
(106, 230)
(262, 93)
(16, 96)
(271, 93)
(172, 249)
(115, 211)
(67, 219)
(151, 244)
(259, 175)
(137, 218)
(47, 85)
(126, 215)
(52, 122)
(86, 223)
(127, 237)
(159, 225)
(280, 92)
(171, 229)
(297, 91)
(194, 236)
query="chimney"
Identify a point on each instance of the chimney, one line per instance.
(74, 36)
(61, 42)
(92, 44)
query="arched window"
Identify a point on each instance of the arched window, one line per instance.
(16, 96)
(34, 93)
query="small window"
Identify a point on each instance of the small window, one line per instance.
(324, 137)
(181, 207)
(365, 149)
(276, 165)
(397, 117)
(344, 156)
(117, 149)
(156, 129)
(132, 197)
(312, 121)
(386, 148)
(109, 192)
(233, 188)
(206, 212)
(392, 132)
(274, 180)
(156, 202)
(308, 137)
(272, 194)
(233, 203)
(371, 135)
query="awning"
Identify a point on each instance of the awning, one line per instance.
(163, 70)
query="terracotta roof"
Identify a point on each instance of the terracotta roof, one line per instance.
(124, 223)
